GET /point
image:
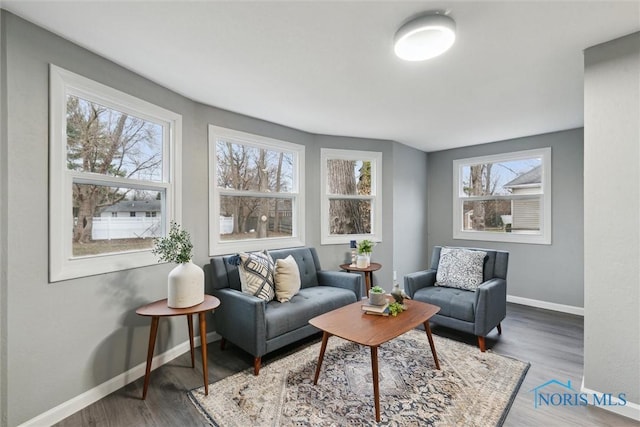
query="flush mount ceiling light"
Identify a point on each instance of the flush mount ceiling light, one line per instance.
(425, 37)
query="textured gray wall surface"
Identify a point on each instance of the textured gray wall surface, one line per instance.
(551, 273)
(612, 209)
(66, 338)
(410, 249)
(3, 225)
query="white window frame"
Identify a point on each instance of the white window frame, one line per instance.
(376, 195)
(541, 238)
(218, 246)
(62, 265)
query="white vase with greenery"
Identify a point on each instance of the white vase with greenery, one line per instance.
(185, 284)
(365, 247)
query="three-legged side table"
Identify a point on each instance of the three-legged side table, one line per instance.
(159, 309)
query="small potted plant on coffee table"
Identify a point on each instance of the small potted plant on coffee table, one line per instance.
(377, 296)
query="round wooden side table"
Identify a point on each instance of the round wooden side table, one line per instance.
(368, 272)
(159, 309)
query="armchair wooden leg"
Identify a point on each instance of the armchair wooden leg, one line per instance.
(481, 344)
(256, 365)
(223, 342)
(499, 329)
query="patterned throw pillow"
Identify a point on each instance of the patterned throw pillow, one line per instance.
(256, 275)
(460, 268)
(287, 278)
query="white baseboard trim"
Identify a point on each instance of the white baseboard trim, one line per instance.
(85, 399)
(578, 311)
(629, 410)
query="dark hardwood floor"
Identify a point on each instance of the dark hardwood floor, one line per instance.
(552, 342)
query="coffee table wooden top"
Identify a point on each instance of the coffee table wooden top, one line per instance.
(351, 323)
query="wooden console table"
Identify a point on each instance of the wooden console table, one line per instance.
(159, 309)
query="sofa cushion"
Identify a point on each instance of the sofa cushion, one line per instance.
(287, 278)
(307, 260)
(453, 302)
(256, 275)
(308, 303)
(460, 268)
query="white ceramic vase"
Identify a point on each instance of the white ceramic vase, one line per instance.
(185, 286)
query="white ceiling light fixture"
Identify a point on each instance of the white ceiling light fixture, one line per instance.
(425, 37)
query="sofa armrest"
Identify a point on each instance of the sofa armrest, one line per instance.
(491, 305)
(341, 279)
(240, 318)
(418, 280)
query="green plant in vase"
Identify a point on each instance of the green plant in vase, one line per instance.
(176, 247)
(377, 296)
(365, 247)
(185, 283)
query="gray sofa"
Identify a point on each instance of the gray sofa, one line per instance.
(475, 312)
(259, 327)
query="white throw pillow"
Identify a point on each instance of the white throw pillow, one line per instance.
(256, 271)
(460, 268)
(287, 278)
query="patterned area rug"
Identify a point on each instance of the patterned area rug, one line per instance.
(471, 389)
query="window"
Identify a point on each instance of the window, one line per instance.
(111, 156)
(352, 195)
(256, 192)
(503, 198)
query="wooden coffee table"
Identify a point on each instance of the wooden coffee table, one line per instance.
(350, 323)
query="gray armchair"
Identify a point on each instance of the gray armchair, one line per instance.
(475, 312)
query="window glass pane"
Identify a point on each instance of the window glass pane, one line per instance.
(349, 177)
(243, 167)
(243, 218)
(109, 219)
(108, 142)
(349, 216)
(520, 215)
(502, 178)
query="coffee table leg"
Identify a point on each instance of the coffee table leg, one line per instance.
(376, 386)
(325, 338)
(190, 325)
(152, 343)
(203, 346)
(433, 347)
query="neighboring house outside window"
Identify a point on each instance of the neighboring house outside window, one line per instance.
(351, 195)
(256, 192)
(113, 157)
(505, 198)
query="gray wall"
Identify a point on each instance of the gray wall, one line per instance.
(410, 249)
(3, 226)
(612, 209)
(550, 273)
(66, 338)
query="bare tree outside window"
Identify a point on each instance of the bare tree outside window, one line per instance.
(349, 177)
(104, 141)
(351, 195)
(490, 187)
(257, 183)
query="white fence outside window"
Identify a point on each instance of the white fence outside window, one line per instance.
(107, 228)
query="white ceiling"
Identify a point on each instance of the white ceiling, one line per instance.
(328, 67)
